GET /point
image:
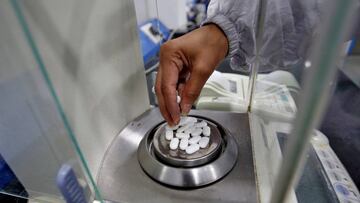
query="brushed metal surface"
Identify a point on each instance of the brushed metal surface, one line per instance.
(121, 178)
(189, 177)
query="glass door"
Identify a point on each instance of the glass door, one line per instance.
(71, 78)
(297, 103)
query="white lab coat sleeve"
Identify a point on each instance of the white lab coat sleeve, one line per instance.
(236, 18)
(289, 25)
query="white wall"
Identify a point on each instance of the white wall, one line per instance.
(142, 10)
(171, 12)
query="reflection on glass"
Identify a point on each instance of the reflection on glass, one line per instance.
(272, 121)
(34, 129)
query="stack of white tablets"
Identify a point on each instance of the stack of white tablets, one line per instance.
(189, 135)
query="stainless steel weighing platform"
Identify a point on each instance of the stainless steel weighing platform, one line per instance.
(122, 179)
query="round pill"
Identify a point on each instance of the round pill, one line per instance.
(201, 124)
(194, 140)
(182, 135)
(204, 141)
(206, 131)
(169, 135)
(192, 149)
(174, 143)
(183, 143)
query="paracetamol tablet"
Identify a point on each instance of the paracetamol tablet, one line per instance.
(184, 143)
(196, 132)
(171, 128)
(191, 119)
(174, 143)
(169, 135)
(187, 126)
(204, 142)
(182, 135)
(182, 120)
(185, 120)
(206, 131)
(194, 140)
(192, 148)
(201, 124)
(191, 129)
(188, 131)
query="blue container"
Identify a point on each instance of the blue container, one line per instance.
(6, 175)
(149, 47)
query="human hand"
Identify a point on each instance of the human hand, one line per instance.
(185, 65)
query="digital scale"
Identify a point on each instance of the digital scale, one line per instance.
(135, 170)
(109, 133)
(338, 177)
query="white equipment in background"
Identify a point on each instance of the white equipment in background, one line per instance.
(228, 92)
(338, 176)
(273, 102)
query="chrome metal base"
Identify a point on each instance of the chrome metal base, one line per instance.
(175, 168)
(121, 178)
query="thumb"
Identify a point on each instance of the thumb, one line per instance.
(193, 88)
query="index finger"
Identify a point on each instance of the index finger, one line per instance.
(169, 80)
(161, 101)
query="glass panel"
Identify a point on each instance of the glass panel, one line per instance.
(73, 79)
(297, 43)
(350, 68)
(36, 137)
(292, 58)
(338, 136)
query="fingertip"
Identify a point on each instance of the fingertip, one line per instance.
(176, 119)
(167, 118)
(170, 124)
(163, 110)
(185, 109)
(175, 114)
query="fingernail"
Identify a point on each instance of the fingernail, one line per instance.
(185, 109)
(176, 121)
